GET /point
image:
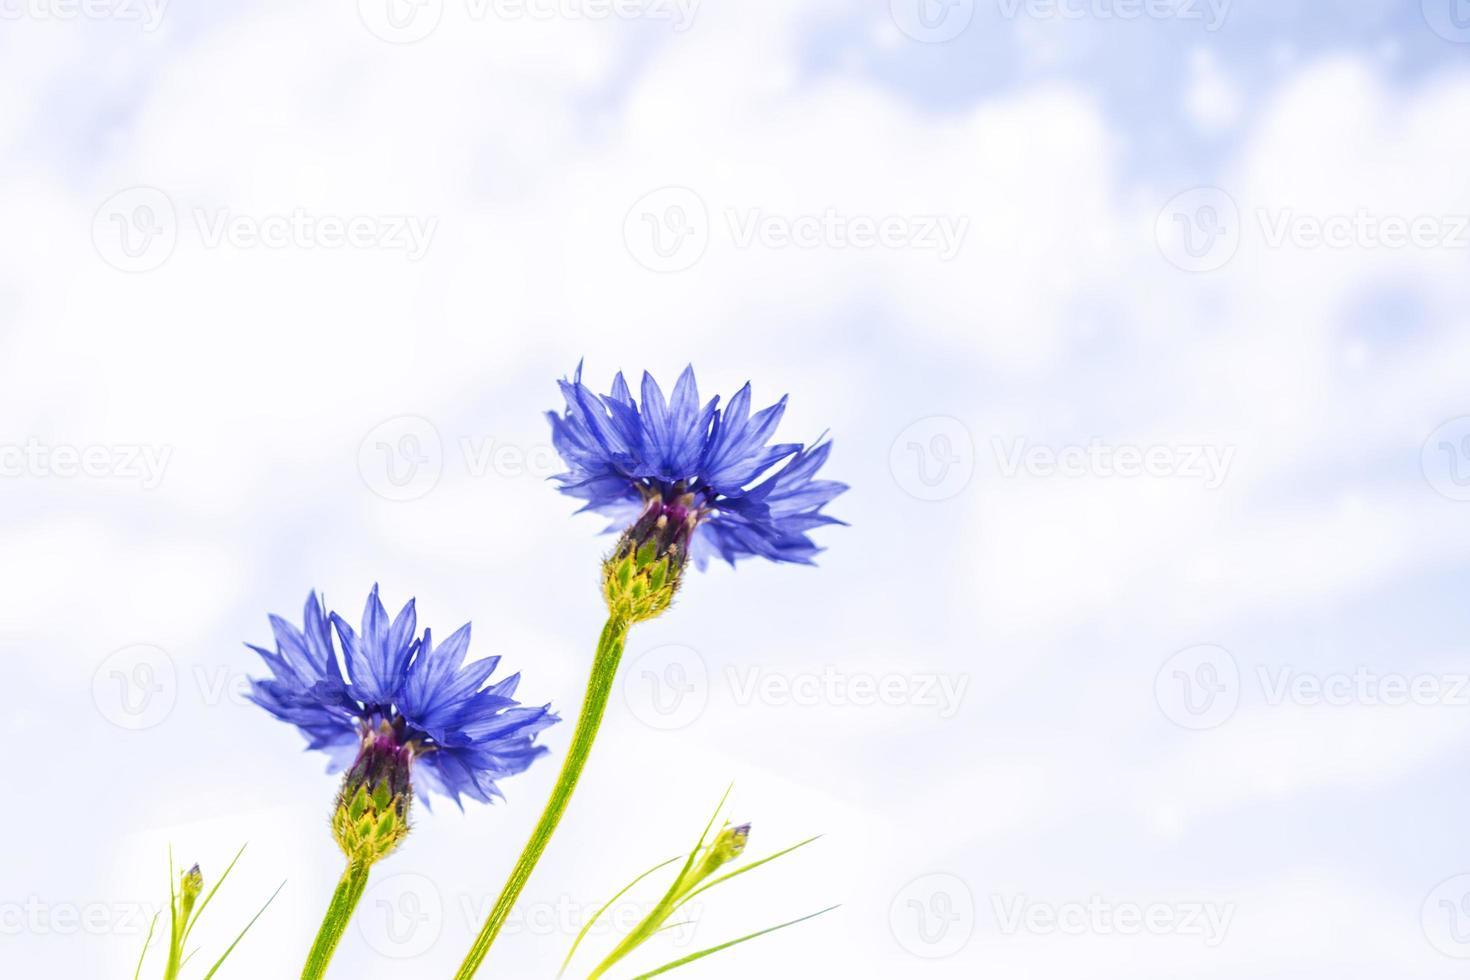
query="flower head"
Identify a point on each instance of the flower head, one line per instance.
(696, 480)
(401, 699)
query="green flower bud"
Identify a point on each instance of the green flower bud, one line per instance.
(191, 883)
(728, 845)
(641, 576)
(371, 818)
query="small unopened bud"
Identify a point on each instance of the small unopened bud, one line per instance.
(728, 845)
(642, 575)
(371, 818)
(191, 883)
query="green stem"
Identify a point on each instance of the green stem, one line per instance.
(344, 900)
(599, 686)
(175, 960)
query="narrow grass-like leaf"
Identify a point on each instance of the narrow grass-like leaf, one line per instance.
(173, 898)
(174, 941)
(199, 909)
(231, 949)
(741, 870)
(598, 914)
(734, 942)
(694, 854)
(665, 906)
(146, 943)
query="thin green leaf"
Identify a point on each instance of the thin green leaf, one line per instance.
(245, 930)
(173, 906)
(199, 909)
(740, 871)
(146, 943)
(588, 925)
(665, 906)
(734, 942)
(673, 889)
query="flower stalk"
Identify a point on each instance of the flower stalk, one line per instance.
(370, 821)
(191, 883)
(594, 704)
(685, 467)
(339, 913)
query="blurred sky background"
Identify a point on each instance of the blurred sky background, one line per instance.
(284, 289)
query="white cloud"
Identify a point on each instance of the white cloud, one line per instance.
(529, 142)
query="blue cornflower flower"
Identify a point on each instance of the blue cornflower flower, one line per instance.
(402, 698)
(694, 467)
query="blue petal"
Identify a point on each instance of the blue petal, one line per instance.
(619, 450)
(376, 660)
